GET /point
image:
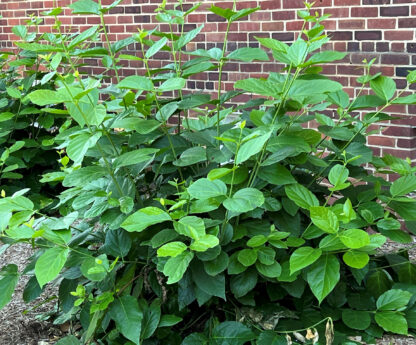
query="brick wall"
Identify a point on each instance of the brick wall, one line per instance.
(384, 29)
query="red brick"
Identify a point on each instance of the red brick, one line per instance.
(347, 2)
(270, 4)
(364, 12)
(381, 141)
(399, 35)
(351, 24)
(381, 23)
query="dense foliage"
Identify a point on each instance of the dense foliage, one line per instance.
(239, 225)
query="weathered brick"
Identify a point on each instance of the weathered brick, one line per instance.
(395, 11)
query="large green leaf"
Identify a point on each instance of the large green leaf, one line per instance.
(172, 249)
(404, 185)
(247, 257)
(155, 47)
(176, 267)
(184, 39)
(151, 318)
(211, 285)
(136, 82)
(297, 52)
(301, 196)
(356, 319)
(47, 97)
(205, 242)
(192, 156)
(50, 264)
(356, 259)
(393, 300)
(248, 54)
(303, 257)
(144, 218)
(172, 84)
(117, 243)
(392, 321)
(242, 283)
(82, 176)
(85, 7)
(323, 275)
(276, 174)
(69, 340)
(355, 238)
(128, 317)
(271, 338)
(134, 157)
(244, 200)
(259, 86)
(384, 87)
(78, 146)
(9, 278)
(190, 226)
(231, 333)
(205, 189)
(324, 219)
(251, 147)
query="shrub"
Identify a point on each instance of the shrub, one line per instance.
(238, 225)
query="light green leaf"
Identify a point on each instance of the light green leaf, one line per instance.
(187, 37)
(78, 146)
(134, 157)
(301, 196)
(392, 321)
(257, 241)
(128, 317)
(248, 54)
(172, 84)
(393, 300)
(191, 156)
(273, 44)
(144, 218)
(355, 238)
(251, 147)
(50, 264)
(172, 249)
(85, 7)
(356, 259)
(271, 271)
(323, 275)
(136, 82)
(324, 219)
(244, 200)
(247, 257)
(156, 47)
(204, 189)
(9, 278)
(190, 226)
(259, 86)
(176, 267)
(47, 97)
(204, 242)
(303, 257)
(404, 185)
(297, 52)
(338, 174)
(384, 87)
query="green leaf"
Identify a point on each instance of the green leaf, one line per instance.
(78, 146)
(404, 185)
(356, 259)
(144, 218)
(204, 242)
(192, 156)
(271, 271)
(301, 196)
(273, 44)
(259, 86)
(366, 101)
(156, 47)
(247, 257)
(187, 37)
(218, 265)
(393, 300)
(231, 333)
(85, 7)
(384, 87)
(257, 241)
(172, 249)
(276, 174)
(205, 189)
(46, 97)
(69, 340)
(211, 285)
(222, 12)
(392, 321)
(303, 257)
(297, 52)
(378, 283)
(323, 275)
(50, 264)
(134, 157)
(355, 319)
(136, 82)
(128, 317)
(354, 238)
(324, 219)
(8, 282)
(190, 226)
(172, 84)
(37, 47)
(248, 54)
(169, 320)
(251, 147)
(176, 267)
(244, 200)
(325, 56)
(271, 338)
(242, 283)
(338, 174)
(83, 176)
(151, 318)
(86, 34)
(117, 243)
